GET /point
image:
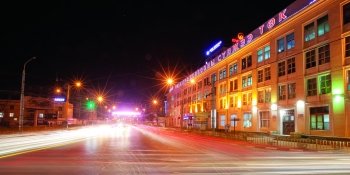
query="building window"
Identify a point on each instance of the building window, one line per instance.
(261, 98)
(291, 65)
(319, 118)
(247, 120)
(249, 61)
(230, 70)
(282, 94)
(309, 32)
(12, 107)
(322, 26)
(291, 90)
(260, 76)
(231, 86)
(310, 59)
(244, 99)
(233, 120)
(267, 73)
(290, 41)
(311, 87)
(260, 55)
(346, 13)
(264, 119)
(264, 53)
(222, 74)
(222, 120)
(267, 95)
(11, 114)
(244, 63)
(347, 46)
(235, 83)
(247, 81)
(325, 84)
(348, 79)
(41, 115)
(280, 45)
(213, 78)
(281, 68)
(1, 115)
(231, 102)
(323, 54)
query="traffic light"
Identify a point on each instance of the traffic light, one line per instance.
(90, 105)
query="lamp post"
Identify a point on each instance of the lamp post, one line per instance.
(77, 84)
(21, 108)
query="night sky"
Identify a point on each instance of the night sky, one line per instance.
(118, 47)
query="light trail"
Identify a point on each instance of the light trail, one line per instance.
(18, 144)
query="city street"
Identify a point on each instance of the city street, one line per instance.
(150, 150)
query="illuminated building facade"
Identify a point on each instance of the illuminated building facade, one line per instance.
(290, 75)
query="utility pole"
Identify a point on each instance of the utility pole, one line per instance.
(21, 104)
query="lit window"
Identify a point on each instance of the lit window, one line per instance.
(290, 41)
(261, 98)
(41, 115)
(267, 52)
(348, 79)
(233, 120)
(12, 114)
(260, 55)
(1, 115)
(247, 120)
(222, 120)
(267, 95)
(309, 32)
(319, 118)
(325, 84)
(280, 45)
(322, 26)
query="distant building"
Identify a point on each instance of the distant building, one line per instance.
(37, 111)
(291, 74)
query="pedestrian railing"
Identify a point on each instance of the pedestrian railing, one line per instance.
(315, 143)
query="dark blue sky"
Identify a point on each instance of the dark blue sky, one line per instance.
(115, 45)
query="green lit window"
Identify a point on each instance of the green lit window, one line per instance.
(325, 84)
(310, 60)
(309, 32)
(324, 54)
(322, 25)
(311, 87)
(319, 118)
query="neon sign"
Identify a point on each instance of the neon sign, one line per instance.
(211, 50)
(278, 19)
(59, 99)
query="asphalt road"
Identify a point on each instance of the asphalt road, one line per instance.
(147, 150)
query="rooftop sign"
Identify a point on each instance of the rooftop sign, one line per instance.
(212, 49)
(282, 16)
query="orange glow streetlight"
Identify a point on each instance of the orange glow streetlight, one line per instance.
(78, 84)
(169, 81)
(58, 90)
(155, 102)
(192, 81)
(100, 99)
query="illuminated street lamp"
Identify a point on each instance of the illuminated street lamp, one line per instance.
(21, 108)
(100, 98)
(155, 102)
(169, 81)
(77, 84)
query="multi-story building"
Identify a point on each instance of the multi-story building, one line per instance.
(291, 74)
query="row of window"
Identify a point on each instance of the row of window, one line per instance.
(319, 118)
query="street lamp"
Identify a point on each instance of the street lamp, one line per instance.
(77, 84)
(21, 108)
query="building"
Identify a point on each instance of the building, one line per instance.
(37, 111)
(290, 75)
